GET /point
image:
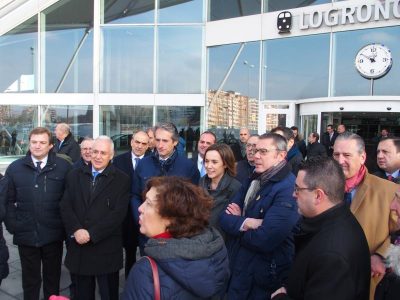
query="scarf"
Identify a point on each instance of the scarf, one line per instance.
(260, 181)
(354, 181)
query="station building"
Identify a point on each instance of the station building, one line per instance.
(112, 66)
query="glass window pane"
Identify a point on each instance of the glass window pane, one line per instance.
(296, 68)
(346, 79)
(226, 9)
(78, 117)
(179, 59)
(233, 85)
(275, 5)
(186, 119)
(68, 47)
(127, 64)
(309, 125)
(274, 120)
(18, 58)
(16, 121)
(180, 11)
(118, 122)
(127, 11)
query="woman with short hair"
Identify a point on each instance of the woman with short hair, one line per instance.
(191, 257)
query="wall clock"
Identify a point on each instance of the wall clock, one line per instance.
(373, 61)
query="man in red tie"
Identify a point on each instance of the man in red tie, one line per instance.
(388, 159)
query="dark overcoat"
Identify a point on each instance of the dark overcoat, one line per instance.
(100, 208)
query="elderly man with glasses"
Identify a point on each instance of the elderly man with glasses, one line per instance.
(259, 223)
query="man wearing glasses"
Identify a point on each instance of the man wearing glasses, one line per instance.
(245, 168)
(332, 256)
(259, 223)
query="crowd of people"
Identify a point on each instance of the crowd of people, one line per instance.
(266, 218)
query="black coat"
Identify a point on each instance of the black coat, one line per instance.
(329, 142)
(315, 149)
(382, 174)
(243, 171)
(332, 259)
(3, 247)
(69, 147)
(100, 209)
(33, 213)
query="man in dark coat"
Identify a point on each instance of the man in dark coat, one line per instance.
(388, 159)
(294, 156)
(207, 138)
(314, 148)
(127, 163)
(259, 223)
(65, 142)
(35, 188)
(93, 207)
(328, 139)
(245, 168)
(239, 148)
(332, 255)
(86, 153)
(3, 247)
(164, 162)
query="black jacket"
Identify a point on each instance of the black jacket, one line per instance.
(332, 259)
(315, 149)
(328, 142)
(243, 171)
(100, 209)
(382, 174)
(3, 247)
(33, 214)
(69, 147)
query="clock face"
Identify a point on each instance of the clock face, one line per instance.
(373, 61)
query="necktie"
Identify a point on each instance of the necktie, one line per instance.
(59, 146)
(390, 178)
(203, 170)
(95, 173)
(38, 166)
(136, 162)
(347, 199)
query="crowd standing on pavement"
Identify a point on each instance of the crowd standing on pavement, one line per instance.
(266, 217)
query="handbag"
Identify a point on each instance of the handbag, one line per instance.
(156, 278)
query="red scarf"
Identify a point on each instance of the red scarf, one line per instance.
(354, 181)
(164, 235)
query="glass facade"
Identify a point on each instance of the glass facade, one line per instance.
(18, 58)
(16, 121)
(276, 5)
(296, 68)
(127, 59)
(180, 11)
(127, 12)
(346, 80)
(226, 9)
(67, 49)
(233, 85)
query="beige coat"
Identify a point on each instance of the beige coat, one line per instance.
(371, 207)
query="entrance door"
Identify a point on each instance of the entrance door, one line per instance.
(366, 124)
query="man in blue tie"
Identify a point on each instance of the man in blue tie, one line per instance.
(127, 163)
(35, 188)
(207, 138)
(93, 208)
(388, 159)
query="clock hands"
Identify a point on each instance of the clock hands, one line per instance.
(371, 58)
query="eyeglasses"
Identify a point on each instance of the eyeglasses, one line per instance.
(264, 151)
(251, 145)
(298, 189)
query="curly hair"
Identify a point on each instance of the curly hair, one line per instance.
(184, 204)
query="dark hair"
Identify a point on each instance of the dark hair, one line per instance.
(41, 130)
(395, 141)
(329, 125)
(286, 131)
(278, 140)
(184, 204)
(211, 133)
(170, 127)
(316, 135)
(294, 128)
(324, 173)
(227, 156)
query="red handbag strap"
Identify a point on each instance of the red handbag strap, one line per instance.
(156, 278)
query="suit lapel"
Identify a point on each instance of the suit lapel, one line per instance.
(360, 194)
(101, 185)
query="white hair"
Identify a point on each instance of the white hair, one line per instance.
(106, 138)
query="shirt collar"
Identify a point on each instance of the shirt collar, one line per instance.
(44, 160)
(395, 174)
(134, 156)
(100, 171)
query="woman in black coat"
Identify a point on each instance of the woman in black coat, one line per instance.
(3, 247)
(219, 182)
